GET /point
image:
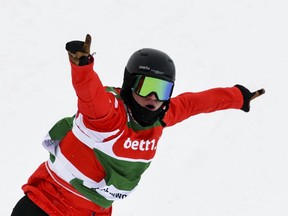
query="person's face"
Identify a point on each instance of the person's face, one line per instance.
(150, 102)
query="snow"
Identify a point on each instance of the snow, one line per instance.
(221, 164)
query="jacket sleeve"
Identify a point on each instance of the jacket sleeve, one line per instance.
(93, 101)
(188, 104)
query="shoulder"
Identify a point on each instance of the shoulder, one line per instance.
(113, 90)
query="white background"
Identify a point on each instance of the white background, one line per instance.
(227, 163)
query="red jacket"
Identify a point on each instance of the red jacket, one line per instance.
(104, 155)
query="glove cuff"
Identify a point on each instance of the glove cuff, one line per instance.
(247, 95)
(85, 60)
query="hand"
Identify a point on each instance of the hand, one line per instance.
(249, 96)
(79, 51)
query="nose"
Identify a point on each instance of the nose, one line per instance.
(152, 96)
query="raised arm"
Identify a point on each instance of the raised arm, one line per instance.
(93, 101)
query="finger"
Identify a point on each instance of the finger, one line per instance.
(87, 43)
(258, 93)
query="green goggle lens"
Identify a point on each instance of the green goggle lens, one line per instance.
(145, 85)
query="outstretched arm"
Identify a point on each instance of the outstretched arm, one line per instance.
(190, 103)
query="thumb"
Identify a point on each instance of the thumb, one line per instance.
(87, 44)
(258, 93)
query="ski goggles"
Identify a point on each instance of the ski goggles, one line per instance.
(145, 85)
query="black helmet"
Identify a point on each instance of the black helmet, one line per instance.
(152, 62)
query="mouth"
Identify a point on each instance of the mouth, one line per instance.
(150, 107)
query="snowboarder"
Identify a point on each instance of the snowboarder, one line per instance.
(99, 155)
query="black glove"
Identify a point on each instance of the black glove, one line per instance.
(79, 51)
(248, 96)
